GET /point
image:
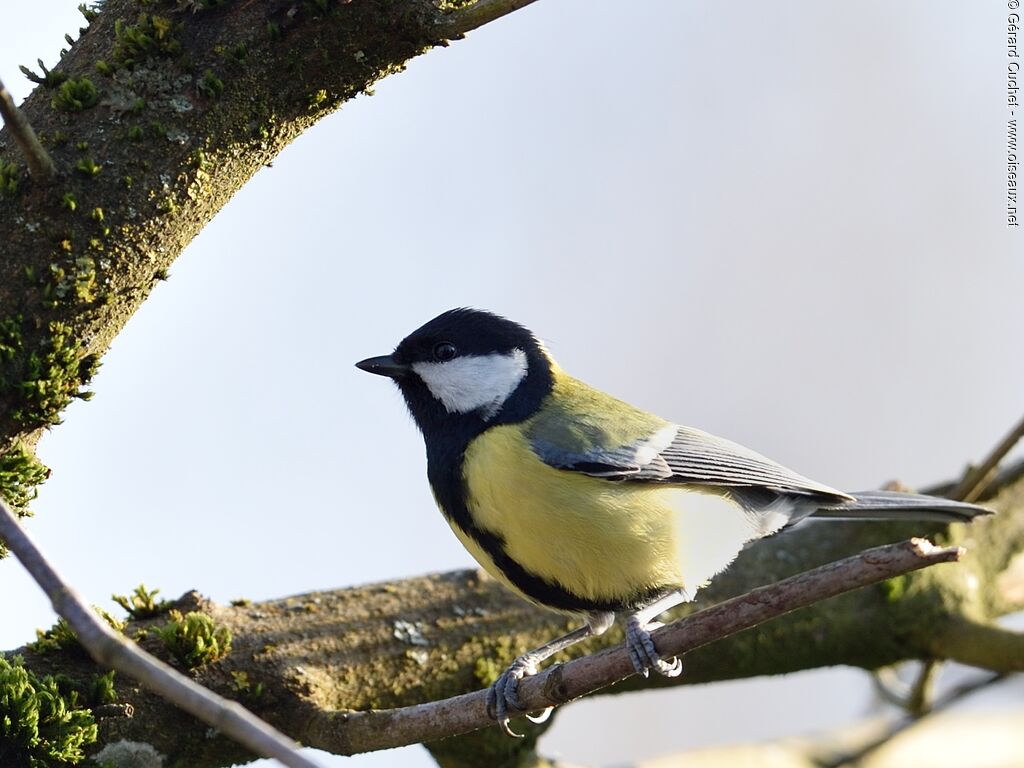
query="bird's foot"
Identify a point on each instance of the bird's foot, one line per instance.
(503, 695)
(642, 652)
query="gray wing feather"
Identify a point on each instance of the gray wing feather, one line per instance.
(698, 457)
(684, 455)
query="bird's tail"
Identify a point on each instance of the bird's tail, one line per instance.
(894, 505)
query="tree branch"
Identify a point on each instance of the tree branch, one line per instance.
(111, 650)
(39, 162)
(154, 119)
(353, 732)
(980, 477)
(978, 644)
(475, 15)
(386, 646)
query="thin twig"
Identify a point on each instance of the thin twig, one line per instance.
(978, 478)
(111, 650)
(353, 732)
(922, 692)
(39, 162)
(916, 697)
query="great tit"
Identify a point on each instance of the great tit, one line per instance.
(580, 502)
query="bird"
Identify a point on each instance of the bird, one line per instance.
(584, 504)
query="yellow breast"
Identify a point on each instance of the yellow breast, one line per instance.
(600, 540)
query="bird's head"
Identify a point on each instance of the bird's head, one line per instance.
(467, 366)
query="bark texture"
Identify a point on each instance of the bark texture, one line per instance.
(157, 114)
(302, 661)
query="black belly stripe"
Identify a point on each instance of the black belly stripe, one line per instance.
(449, 490)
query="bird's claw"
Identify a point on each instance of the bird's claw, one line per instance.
(503, 695)
(644, 655)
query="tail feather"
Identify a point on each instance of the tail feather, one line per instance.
(894, 505)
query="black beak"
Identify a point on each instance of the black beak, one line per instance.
(385, 365)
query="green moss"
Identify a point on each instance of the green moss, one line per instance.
(88, 167)
(141, 603)
(209, 85)
(238, 54)
(101, 689)
(103, 68)
(894, 589)
(201, 160)
(40, 726)
(488, 668)
(69, 201)
(53, 374)
(74, 95)
(152, 35)
(20, 473)
(243, 686)
(10, 339)
(10, 175)
(56, 638)
(62, 637)
(78, 279)
(90, 13)
(317, 98)
(194, 639)
(448, 6)
(195, 6)
(49, 78)
(85, 285)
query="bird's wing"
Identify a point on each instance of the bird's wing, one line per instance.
(698, 457)
(583, 430)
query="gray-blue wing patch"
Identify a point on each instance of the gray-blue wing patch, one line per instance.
(639, 460)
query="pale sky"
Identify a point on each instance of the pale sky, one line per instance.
(783, 223)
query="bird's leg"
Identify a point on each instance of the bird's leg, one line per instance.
(503, 695)
(642, 652)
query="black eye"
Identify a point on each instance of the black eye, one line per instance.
(444, 351)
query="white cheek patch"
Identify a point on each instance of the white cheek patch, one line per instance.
(474, 382)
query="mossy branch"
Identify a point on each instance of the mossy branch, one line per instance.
(353, 732)
(153, 119)
(111, 650)
(978, 644)
(465, 16)
(304, 661)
